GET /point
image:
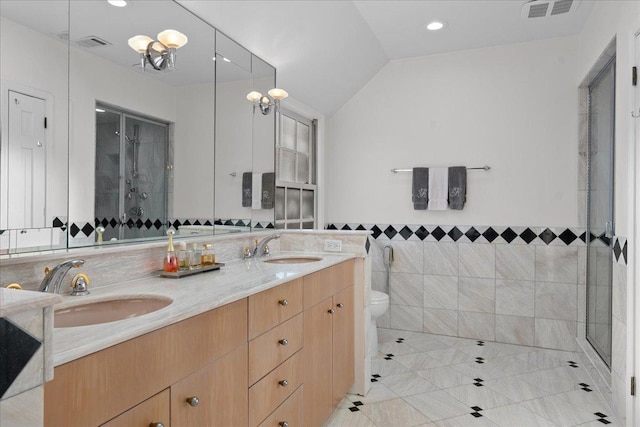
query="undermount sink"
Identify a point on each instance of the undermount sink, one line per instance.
(293, 260)
(93, 313)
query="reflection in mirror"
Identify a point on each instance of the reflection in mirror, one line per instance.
(244, 139)
(142, 140)
(34, 135)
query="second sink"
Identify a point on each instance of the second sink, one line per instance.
(93, 313)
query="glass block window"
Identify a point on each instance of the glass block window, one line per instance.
(295, 206)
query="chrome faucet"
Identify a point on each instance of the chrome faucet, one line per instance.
(261, 246)
(53, 279)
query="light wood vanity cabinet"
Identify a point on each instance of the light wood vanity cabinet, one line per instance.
(328, 340)
(282, 357)
(99, 387)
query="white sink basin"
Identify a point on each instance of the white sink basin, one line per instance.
(293, 260)
(93, 313)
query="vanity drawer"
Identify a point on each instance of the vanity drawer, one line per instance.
(272, 307)
(268, 393)
(269, 349)
(153, 410)
(290, 412)
(321, 285)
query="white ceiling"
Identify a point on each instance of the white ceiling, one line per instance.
(325, 51)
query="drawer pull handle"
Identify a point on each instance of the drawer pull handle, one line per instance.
(156, 425)
(283, 424)
(284, 302)
(283, 383)
(331, 311)
(340, 305)
(193, 401)
(284, 342)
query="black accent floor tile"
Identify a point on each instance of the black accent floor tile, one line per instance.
(490, 234)
(600, 415)
(479, 380)
(354, 409)
(476, 408)
(478, 384)
(476, 414)
(388, 358)
(604, 421)
(509, 235)
(438, 233)
(584, 385)
(422, 233)
(375, 376)
(374, 380)
(528, 236)
(481, 343)
(390, 232)
(358, 403)
(406, 232)
(472, 234)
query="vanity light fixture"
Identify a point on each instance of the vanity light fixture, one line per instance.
(159, 54)
(265, 102)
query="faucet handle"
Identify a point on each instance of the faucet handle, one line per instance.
(80, 283)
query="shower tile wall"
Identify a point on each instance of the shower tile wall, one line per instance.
(107, 173)
(516, 285)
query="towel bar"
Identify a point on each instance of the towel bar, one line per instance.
(486, 168)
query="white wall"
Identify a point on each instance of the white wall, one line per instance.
(43, 70)
(511, 107)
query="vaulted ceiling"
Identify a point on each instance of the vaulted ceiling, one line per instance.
(325, 51)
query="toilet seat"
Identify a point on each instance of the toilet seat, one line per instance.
(378, 297)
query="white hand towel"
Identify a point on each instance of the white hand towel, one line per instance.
(438, 189)
(256, 191)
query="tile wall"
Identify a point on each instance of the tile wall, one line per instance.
(520, 285)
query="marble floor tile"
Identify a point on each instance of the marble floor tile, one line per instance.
(484, 370)
(466, 421)
(344, 417)
(543, 359)
(516, 390)
(445, 377)
(516, 415)
(455, 341)
(396, 348)
(451, 356)
(438, 405)
(511, 365)
(395, 412)
(378, 393)
(559, 411)
(385, 367)
(592, 401)
(478, 395)
(408, 384)
(426, 344)
(548, 382)
(419, 361)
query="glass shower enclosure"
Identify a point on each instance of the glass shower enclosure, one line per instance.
(131, 180)
(600, 214)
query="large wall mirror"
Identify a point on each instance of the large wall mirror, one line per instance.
(129, 146)
(34, 125)
(245, 165)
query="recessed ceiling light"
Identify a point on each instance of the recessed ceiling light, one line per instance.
(436, 25)
(117, 3)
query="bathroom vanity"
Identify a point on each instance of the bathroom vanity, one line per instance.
(259, 344)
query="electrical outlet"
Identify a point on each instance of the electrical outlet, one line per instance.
(333, 245)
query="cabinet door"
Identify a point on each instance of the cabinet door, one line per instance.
(343, 345)
(318, 363)
(215, 395)
(154, 410)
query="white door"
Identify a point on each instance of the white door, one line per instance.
(26, 176)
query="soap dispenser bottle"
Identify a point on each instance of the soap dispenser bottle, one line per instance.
(170, 262)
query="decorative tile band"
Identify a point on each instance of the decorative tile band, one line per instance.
(477, 234)
(620, 249)
(88, 228)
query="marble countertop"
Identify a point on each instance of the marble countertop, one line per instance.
(14, 301)
(191, 296)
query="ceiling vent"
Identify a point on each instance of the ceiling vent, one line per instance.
(545, 8)
(90, 42)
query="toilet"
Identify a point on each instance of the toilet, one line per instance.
(379, 305)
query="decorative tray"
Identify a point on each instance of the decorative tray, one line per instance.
(184, 273)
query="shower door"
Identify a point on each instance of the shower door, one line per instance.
(131, 183)
(600, 210)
